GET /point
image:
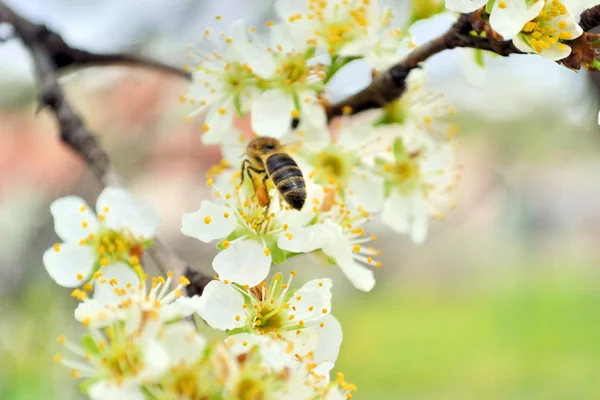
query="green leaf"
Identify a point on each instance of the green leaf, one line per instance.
(489, 5)
(479, 59)
(89, 344)
(399, 149)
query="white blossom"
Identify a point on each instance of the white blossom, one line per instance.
(545, 33)
(299, 317)
(419, 176)
(342, 239)
(248, 237)
(107, 240)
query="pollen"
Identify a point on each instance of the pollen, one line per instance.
(225, 281)
(320, 284)
(84, 224)
(225, 244)
(502, 4)
(356, 248)
(209, 182)
(226, 215)
(288, 235)
(56, 247)
(207, 220)
(244, 343)
(324, 311)
(82, 208)
(237, 317)
(205, 128)
(267, 252)
(293, 272)
(184, 281)
(58, 358)
(295, 113)
(311, 308)
(301, 323)
(346, 110)
(322, 324)
(61, 339)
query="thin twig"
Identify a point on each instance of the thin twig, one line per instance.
(390, 85)
(50, 54)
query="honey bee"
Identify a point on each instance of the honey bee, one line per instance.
(266, 158)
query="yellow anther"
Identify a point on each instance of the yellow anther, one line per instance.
(207, 220)
(267, 252)
(184, 281)
(56, 247)
(84, 224)
(225, 244)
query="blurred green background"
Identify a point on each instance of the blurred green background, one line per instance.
(501, 302)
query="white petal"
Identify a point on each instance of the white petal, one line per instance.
(181, 308)
(182, 342)
(156, 360)
(71, 265)
(271, 114)
(104, 292)
(243, 262)
(464, 6)
(509, 21)
(217, 120)
(97, 315)
(314, 295)
(396, 212)
(262, 62)
(330, 340)
(68, 218)
(221, 305)
(420, 219)
(304, 240)
(121, 211)
(104, 390)
(368, 191)
(194, 224)
(361, 277)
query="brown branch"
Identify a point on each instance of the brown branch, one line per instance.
(64, 56)
(390, 85)
(50, 53)
(590, 18)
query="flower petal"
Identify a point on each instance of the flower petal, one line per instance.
(243, 262)
(182, 342)
(464, 6)
(330, 340)
(222, 306)
(312, 301)
(303, 240)
(181, 308)
(508, 21)
(104, 390)
(271, 114)
(156, 360)
(368, 191)
(71, 214)
(71, 265)
(115, 276)
(396, 212)
(212, 221)
(350, 79)
(121, 211)
(97, 315)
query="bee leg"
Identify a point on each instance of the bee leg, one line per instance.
(268, 206)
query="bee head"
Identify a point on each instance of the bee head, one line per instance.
(261, 146)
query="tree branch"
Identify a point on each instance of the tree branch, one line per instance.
(391, 84)
(590, 18)
(64, 56)
(50, 53)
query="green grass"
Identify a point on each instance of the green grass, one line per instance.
(539, 340)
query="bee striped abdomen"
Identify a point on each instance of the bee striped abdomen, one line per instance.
(288, 179)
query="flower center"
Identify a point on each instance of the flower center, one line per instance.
(122, 358)
(112, 246)
(333, 166)
(293, 68)
(542, 32)
(249, 389)
(271, 320)
(349, 22)
(404, 173)
(236, 75)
